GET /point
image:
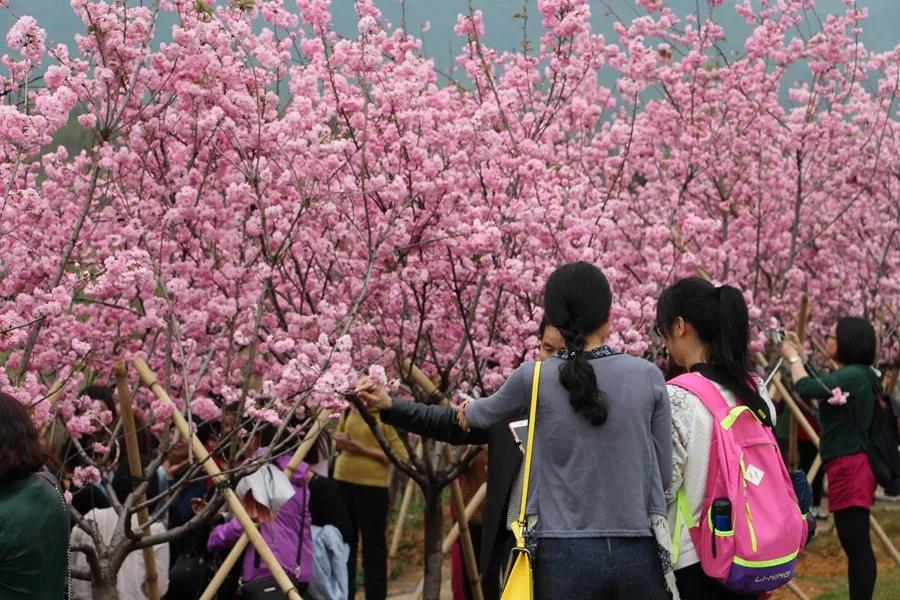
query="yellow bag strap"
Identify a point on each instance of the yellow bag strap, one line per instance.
(529, 449)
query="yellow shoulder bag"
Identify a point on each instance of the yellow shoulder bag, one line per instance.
(519, 583)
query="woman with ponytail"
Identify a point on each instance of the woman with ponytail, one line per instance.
(602, 450)
(706, 330)
(847, 398)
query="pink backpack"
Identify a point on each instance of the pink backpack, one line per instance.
(758, 553)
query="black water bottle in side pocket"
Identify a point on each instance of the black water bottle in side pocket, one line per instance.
(720, 515)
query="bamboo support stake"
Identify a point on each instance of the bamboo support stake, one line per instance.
(471, 507)
(793, 443)
(404, 511)
(137, 472)
(814, 469)
(890, 380)
(237, 550)
(401, 518)
(797, 591)
(459, 505)
(451, 537)
(462, 521)
(884, 539)
(209, 465)
(793, 437)
(795, 410)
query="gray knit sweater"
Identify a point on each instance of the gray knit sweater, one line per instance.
(591, 481)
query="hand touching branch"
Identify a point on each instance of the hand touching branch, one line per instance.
(373, 394)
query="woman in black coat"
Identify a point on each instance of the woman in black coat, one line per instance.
(504, 459)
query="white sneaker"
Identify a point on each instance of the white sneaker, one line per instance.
(819, 513)
(880, 495)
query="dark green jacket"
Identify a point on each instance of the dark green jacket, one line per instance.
(842, 427)
(34, 536)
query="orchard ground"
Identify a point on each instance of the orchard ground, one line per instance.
(823, 567)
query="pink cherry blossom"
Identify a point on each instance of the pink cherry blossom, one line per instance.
(204, 408)
(27, 37)
(838, 397)
(82, 476)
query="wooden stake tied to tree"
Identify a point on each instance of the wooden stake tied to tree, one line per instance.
(209, 465)
(123, 391)
(238, 549)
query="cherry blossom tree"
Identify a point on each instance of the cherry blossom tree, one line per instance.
(266, 206)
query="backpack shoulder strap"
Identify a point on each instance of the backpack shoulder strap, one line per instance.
(706, 391)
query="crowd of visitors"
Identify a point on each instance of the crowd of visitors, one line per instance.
(641, 485)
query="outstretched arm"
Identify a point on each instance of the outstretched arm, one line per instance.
(437, 422)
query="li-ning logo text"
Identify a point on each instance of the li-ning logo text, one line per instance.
(774, 577)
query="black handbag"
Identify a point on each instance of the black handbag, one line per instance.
(189, 575)
(266, 588)
(193, 570)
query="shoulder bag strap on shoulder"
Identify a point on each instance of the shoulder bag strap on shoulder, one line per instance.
(529, 449)
(706, 391)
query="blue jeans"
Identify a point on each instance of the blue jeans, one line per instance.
(598, 568)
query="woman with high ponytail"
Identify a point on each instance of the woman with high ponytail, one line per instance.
(602, 450)
(706, 329)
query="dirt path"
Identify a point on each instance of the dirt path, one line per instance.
(403, 588)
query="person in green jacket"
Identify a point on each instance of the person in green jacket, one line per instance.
(34, 520)
(847, 397)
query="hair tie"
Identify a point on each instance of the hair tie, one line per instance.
(566, 354)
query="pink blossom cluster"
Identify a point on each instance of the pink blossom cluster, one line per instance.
(85, 475)
(28, 38)
(264, 211)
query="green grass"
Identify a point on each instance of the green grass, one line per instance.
(409, 553)
(887, 587)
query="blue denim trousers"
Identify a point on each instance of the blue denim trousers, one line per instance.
(598, 568)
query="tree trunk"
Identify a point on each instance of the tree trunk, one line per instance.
(104, 588)
(434, 534)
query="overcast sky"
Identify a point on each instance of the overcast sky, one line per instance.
(503, 32)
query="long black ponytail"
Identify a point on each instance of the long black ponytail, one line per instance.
(577, 301)
(719, 316)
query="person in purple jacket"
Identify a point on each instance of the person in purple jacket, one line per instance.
(289, 534)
